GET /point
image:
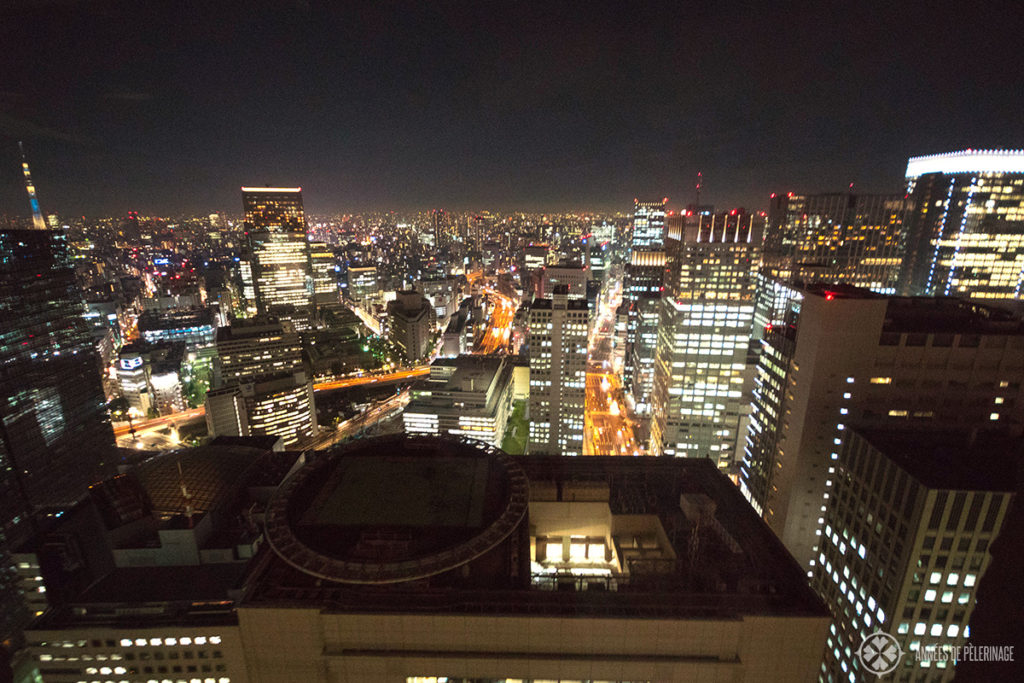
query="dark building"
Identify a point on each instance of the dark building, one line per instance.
(55, 434)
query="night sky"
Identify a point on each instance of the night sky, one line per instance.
(168, 107)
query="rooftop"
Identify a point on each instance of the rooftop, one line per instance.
(968, 161)
(438, 524)
(951, 460)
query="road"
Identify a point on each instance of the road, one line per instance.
(144, 428)
(608, 429)
(499, 324)
(369, 417)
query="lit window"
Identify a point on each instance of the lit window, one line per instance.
(919, 628)
(929, 595)
(993, 416)
(953, 631)
(553, 551)
(881, 380)
(936, 629)
(947, 597)
(935, 577)
(969, 580)
(952, 579)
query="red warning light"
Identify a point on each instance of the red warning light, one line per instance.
(829, 296)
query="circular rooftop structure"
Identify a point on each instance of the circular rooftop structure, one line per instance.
(396, 508)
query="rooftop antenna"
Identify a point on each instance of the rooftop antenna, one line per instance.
(37, 217)
(700, 186)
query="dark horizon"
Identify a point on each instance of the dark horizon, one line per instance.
(168, 108)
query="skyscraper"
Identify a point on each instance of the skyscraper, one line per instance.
(260, 384)
(55, 434)
(641, 294)
(966, 234)
(905, 541)
(558, 373)
(844, 356)
(411, 319)
(702, 367)
(840, 238)
(282, 272)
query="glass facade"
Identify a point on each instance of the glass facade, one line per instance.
(55, 435)
(836, 238)
(282, 271)
(966, 234)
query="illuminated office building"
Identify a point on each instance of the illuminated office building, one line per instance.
(642, 290)
(843, 356)
(558, 373)
(468, 396)
(839, 238)
(905, 542)
(325, 279)
(282, 271)
(966, 234)
(702, 369)
(648, 225)
(261, 387)
(363, 285)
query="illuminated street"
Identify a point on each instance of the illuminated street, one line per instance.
(608, 429)
(148, 432)
(499, 325)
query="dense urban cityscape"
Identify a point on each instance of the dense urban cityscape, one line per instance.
(672, 440)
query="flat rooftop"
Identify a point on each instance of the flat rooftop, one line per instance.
(953, 460)
(737, 567)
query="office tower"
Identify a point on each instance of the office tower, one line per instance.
(282, 272)
(325, 279)
(703, 373)
(261, 386)
(648, 225)
(641, 293)
(558, 373)
(966, 234)
(468, 396)
(846, 238)
(56, 435)
(844, 356)
(411, 318)
(248, 287)
(363, 285)
(904, 542)
(574, 275)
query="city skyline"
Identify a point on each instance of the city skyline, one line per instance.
(539, 109)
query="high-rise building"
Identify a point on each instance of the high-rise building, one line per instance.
(468, 396)
(904, 543)
(325, 278)
(703, 370)
(411, 321)
(363, 285)
(965, 236)
(844, 356)
(648, 225)
(282, 271)
(558, 373)
(56, 434)
(261, 386)
(840, 238)
(643, 285)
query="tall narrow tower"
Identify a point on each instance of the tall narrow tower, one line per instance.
(37, 217)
